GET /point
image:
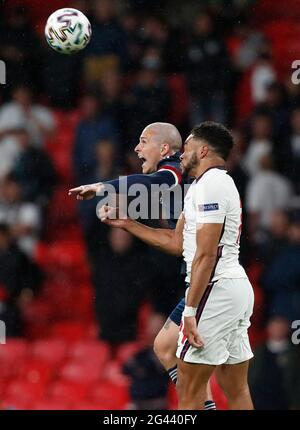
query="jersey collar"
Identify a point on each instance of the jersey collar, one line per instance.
(174, 157)
(212, 167)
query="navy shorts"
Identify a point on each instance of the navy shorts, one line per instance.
(176, 314)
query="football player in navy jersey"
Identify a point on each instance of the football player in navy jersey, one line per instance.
(159, 150)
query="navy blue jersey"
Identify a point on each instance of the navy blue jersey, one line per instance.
(172, 164)
(168, 173)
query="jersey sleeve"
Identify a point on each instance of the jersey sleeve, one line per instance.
(211, 203)
(174, 170)
(164, 176)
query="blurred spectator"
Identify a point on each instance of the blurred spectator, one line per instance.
(19, 280)
(164, 286)
(107, 49)
(34, 171)
(105, 169)
(24, 218)
(20, 48)
(293, 92)
(281, 278)
(288, 152)
(263, 74)
(234, 165)
(275, 238)
(156, 32)
(275, 105)
(114, 103)
(106, 156)
(247, 44)
(149, 99)
(131, 23)
(83, 5)
(240, 177)
(9, 150)
(274, 376)
(260, 144)
(18, 114)
(23, 112)
(62, 77)
(267, 191)
(149, 381)
(94, 126)
(208, 72)
(118, 283)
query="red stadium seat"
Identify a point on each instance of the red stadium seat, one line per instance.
(40, 10)
(70, 301)
(144, 314)
(13, 403)
(67, 392)
(61, 200)
(64, 259)
(20, 389)
(110, 395)
(108, 404)
(14, 348)
(172, 397)
(70, 330)
(269, 10)
(92, 349)
(86, 406)
(37, 316)
(113, 374)
(51, 405)
(85, 372)
(62, 162)
(179, 99)
(36, 372)
(53, 351)
(13, 352)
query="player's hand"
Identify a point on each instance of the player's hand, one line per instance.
(191, 332)
(112, 217)
(86, 192)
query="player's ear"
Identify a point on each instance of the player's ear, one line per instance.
(203, 151)
(164, 149)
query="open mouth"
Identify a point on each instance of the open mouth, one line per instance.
(143, 160)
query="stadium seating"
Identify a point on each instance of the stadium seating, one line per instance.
(51, 405)
(37, 372)
(93, 349)
(52, 351)
(113, 395)
(67, 391)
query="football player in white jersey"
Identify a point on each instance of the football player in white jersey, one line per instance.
(219, 297)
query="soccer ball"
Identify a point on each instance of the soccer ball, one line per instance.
(68, 31)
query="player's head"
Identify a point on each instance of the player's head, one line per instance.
(207, 141)
(157, 141)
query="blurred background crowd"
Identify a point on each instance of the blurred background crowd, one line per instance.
(83, 303)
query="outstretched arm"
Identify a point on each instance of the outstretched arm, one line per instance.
(167, 240)
(166, 175)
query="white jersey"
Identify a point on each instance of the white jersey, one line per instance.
(214, 198)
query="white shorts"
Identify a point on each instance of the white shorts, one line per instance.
(223, 319)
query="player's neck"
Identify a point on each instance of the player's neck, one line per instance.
(207, 164)
(169, 154)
